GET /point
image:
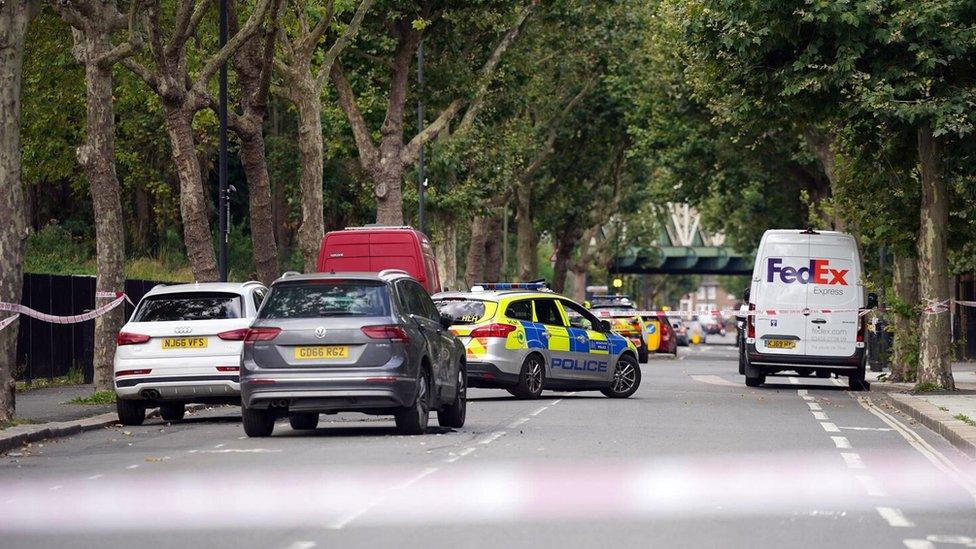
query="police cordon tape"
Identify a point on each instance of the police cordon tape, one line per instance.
(117, 299)
(932, 307)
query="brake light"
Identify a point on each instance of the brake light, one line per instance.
(233, 335)
(750, 322)
(493, 330)
(860, 330)
(121, 373)
(126, 338)
(386, 331)
(261, 334)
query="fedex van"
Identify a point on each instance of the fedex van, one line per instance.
(375, 248)
(809, 273)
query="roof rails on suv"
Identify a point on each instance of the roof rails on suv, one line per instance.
(388, 272)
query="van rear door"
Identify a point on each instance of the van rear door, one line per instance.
(834, 284)
(781, 254)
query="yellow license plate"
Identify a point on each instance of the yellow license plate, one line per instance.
(325, 352)
(780, 344)
(184, 343)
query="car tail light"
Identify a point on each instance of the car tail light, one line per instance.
(387, 331)
(493, 330)
(127, 338)
(261, 334)
(121, 373)
(860, 330)
(233, 335)
(751, 322)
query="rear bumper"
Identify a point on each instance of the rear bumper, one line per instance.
(329, 394)
(488, 375)
(829, 363)
(190, 379)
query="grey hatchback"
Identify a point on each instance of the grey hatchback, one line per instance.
(363, 342)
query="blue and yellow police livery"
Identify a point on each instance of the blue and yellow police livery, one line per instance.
(524, 338)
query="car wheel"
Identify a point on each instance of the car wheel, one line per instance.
(257, 423)
(303, 422)
(643, 354)
(412, 420)
(626, 378)
(172, 411)
(855, 382)
(131, 412)
(755, 381)
(531, 379)
(453, 414)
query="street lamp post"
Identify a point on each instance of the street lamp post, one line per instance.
(223, 204)
(421, 177)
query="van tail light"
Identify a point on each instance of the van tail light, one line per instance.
(860, 330)
(386, 331)
(233, 335)
(261, 334)
(751, 322)
(127, 338)
(493, 330)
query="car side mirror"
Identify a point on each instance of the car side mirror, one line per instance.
(872, 300)
(446, 321)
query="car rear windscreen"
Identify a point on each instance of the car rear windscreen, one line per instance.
(465, 311)
(188, 306)
(317, 299)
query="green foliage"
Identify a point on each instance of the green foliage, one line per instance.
(100, 398)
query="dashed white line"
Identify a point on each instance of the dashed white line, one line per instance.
(56, 487)
(841, 442)
(132, 467)
(539, 411)
(219, 446)
(829, 427)
(802, 392)
(918, 544)
(302, 545)
(517, 422)
(814, 406)
(895, 517)
(852, 460)
(557, 401)
(820, 416)
(341, 523)
(492, 437)
(871, 486)
(95, 477)
(466, 451)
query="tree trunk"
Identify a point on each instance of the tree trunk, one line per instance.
(564, 252)
(312, 230)
(822, 146)
(388, 181)
(259, 206)
(474, 266)
(445, 250)
(193, 202)
(934, 352)
(14, 18)
(493, 249)
(97, 158)
(579, 285)
(141, 238)
(528, 264)
(904, 363)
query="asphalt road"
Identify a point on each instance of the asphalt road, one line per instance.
(693, 459)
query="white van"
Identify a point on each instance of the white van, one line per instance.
(807, 271)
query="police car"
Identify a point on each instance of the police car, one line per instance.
(523, 338)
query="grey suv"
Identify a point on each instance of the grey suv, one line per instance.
(364, 342)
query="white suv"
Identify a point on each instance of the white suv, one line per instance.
(183, 344)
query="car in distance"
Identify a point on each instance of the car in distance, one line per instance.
(183, 345)
(657, 325)
(375, 248)
(523, 338)
(624, 319)
(351, 342)
(680, 332)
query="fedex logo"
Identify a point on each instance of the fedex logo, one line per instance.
(818, 272)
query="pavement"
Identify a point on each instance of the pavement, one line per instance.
(693, 458)
(54, 404)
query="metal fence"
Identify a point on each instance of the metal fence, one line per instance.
(46, 350)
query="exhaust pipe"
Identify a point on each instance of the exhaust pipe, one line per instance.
(149, 394)
(280, 403)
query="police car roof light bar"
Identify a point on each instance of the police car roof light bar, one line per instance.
(511, 285)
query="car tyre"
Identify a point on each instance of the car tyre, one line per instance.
(855, 382)
(643, 354)
(303, 421)
(626, 378)
(413, 420)
(131, 412)
(532, 378)
(453, 414)
(172, 411)
(755, 381)
(257, 423)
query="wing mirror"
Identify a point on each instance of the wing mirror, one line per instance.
(446, 321)
(872, 300)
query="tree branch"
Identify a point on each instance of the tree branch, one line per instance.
(142, 72)
(247, 31)
(411, 152)
(553, 125)
(311, 40)
(347, 101)
(130, 46)
(342, 42)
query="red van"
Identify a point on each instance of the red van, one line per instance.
(373, 249)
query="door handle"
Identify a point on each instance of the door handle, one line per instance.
(819, 321)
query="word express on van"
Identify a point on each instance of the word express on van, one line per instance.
(804, 304)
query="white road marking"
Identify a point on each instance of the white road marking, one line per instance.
(807, 397)
(492, 437)
(895, 517)
(871, 486)
(829, 427)
(132, 467)
(918, 544)
(56, 487)
(95, 477)
(219, 446)
(934, 456)
(802, 392)
(814, 406)
(341, 523)
(852, 460)
(557, 401)
(242, 451)
(714, 380)
(466, 451)
(302, 545)
(820, 416)
(883, 429)
(539, 411)
(517, 422)
(841, 442)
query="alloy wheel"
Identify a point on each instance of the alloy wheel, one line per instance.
(533, 376)
(624, 377)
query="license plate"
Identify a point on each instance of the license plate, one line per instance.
(184, 343)
(780, 344)
(325, 352)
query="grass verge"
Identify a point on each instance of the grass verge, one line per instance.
(73, 377)
(15, 422)
(99, 398)
(965, 419)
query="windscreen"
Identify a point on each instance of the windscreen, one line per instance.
(462, 311)
(188, 306)
(327, 298)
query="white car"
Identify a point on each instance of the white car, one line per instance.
(183, 345)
